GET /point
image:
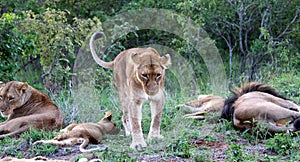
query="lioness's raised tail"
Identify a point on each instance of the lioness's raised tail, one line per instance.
(102, 63)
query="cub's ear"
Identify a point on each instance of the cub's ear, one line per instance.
(165, 61)
(24, 87)
(134, 58)
(108, 116)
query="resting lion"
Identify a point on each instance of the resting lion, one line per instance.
(84, 134)
(139, 75)
(38, 159)
(25, 108)
(258, 102)
(203, 105)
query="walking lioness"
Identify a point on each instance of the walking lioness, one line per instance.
(139, 75)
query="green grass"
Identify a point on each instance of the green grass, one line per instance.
(220, 141)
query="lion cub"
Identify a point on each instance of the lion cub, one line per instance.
(25, 108)
(139, 75)
(84, 133)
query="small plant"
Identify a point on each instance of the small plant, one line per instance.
(43, 150)
(270, 158)
(283, 144)
(223, 125)
(257, 132)
(112, 156)
(181, 148)
(33, 135)
(78, 157)
(201, 158)
(234, 153)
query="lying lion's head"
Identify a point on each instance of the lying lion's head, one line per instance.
(150, 69)
(12, 96)
(108, 125)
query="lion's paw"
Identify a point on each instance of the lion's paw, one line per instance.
(139, 146)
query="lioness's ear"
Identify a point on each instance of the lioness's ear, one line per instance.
(152, 49)
(134, 58)
(2, 84)
(24, 87)
(165, 61)
(108, 116)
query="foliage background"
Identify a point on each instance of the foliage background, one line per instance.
(40, 41)
(258, 40)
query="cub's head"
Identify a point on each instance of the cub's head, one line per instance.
(13, 95)
(150, 69)
(109, 126)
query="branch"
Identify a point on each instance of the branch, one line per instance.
(289, 25)
(246, 38)
(29, 61)
(45, 75)
(229, 23)
(230, 3)
(241, 19)
(262, 23)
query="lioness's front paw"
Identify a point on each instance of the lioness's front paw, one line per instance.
(138, 145)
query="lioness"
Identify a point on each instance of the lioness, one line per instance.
(256, 102)
(38, 159)
(26, 107)
(84, 133)
(139, 75)
(203, 105)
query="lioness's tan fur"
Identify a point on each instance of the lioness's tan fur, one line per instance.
(84, 134)
(25, 108)
(256, 102)
(139, 75)
(37, 159)
(203, 105)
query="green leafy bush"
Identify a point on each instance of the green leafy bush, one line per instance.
(283, 144)
(14, 46)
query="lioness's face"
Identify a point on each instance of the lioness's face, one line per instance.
(151, 77)
(150, 69)
(12, 96)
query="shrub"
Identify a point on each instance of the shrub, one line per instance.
(283, 144)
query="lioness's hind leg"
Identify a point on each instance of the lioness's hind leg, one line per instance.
(65, 142)
(68, 128)
(52, 142)
(125, 117)
(126, 123)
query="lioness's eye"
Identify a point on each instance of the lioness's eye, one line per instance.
(11, 98)
(158, 75)
(145, 76)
